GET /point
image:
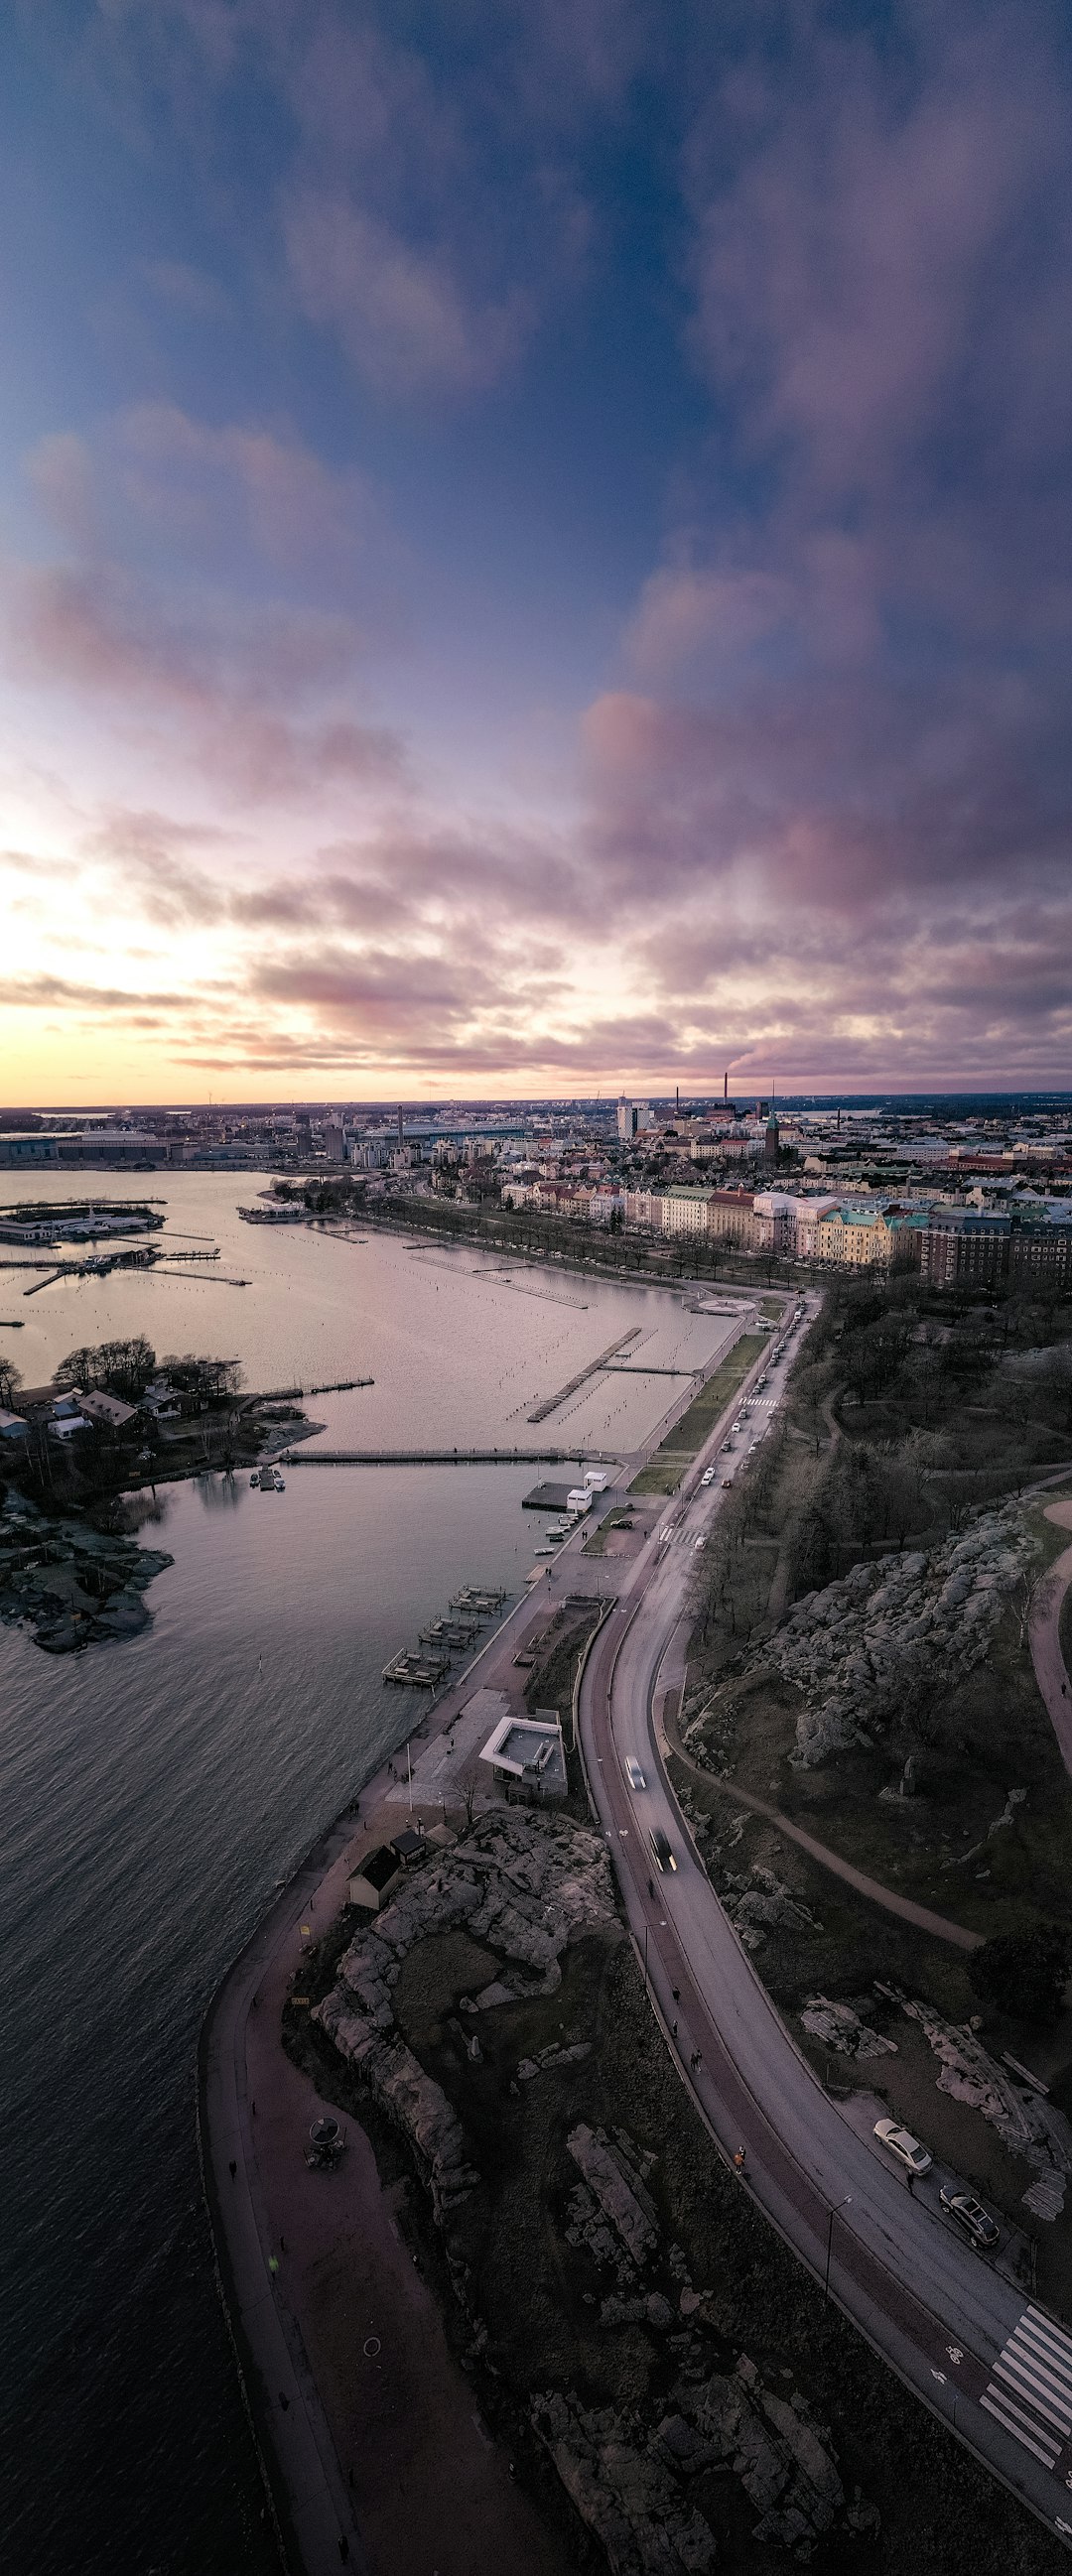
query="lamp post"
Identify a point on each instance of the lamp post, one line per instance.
(837, 2205)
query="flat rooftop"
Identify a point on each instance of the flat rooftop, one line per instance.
(530, 1750)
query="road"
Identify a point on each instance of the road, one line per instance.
(993, 2367)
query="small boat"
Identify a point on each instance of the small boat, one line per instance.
(254, 1479)
(543, 1551)
(279, 1484)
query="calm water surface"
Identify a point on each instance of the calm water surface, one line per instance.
(151, 1794)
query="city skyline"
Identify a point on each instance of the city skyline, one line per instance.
(536, 558)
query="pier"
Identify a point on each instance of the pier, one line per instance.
(445, 1457)
(425, 1665)
(281, 1394)
(551, 1402)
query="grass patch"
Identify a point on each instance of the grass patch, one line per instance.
(597, 1544)
(664, 1471)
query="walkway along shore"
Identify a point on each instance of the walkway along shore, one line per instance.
(372, 2450)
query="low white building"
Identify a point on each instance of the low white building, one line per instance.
(12, 1426)
(526, 1755)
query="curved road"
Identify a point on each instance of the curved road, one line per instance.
(994, 2368)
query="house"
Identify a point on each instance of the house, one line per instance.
(161, 1399)
(107, 1411)
(12, 1426)
(64, 1426)
(375, 1878)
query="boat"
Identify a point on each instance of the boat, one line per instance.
(279, 1485)
(543, 1551)
(254, 1479)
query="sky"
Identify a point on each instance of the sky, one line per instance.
(535, 547)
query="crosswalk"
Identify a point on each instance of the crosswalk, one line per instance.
(1030, 2389)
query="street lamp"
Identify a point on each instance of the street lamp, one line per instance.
(837, 2205)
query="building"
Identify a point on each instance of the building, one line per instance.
(684, 1209)
(527, 1757)
(12, 1426)
(731, 1218)
(375, 1878)
(961, 1249)
(335, 1141)
(107, 1410)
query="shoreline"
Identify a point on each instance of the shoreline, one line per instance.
(311, 2501)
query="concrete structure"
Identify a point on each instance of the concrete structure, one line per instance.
(527, 1757)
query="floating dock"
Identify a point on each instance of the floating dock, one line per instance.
(415, 1671)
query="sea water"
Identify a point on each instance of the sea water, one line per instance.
(153, 1792)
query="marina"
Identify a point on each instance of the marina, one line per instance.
(425, 1665)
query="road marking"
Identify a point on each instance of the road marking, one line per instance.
(1030, 2390)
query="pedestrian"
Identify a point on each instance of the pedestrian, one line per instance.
(253, 2108)
(284, 2401)
(282, 2244)
(344, 2550)
(912, 2183)
(676, 1993)
(234, 2169)
(673, 2029)
(273, 2264)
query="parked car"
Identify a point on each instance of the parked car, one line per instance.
(908, 2150)
(635, 1776)
(660, 1849)
(971, 2216)
(708, 1476)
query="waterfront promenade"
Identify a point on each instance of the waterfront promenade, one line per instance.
(383, 2451)
(369, 2434)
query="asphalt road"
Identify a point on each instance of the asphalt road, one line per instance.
(992, 2365)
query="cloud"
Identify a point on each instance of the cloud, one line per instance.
(219, 680)
(186, 289)
(403, 317)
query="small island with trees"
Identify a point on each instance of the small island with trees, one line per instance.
(80, 1469)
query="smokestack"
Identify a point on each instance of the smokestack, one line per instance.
(726, 1084)
(677, 1100)
(401, 1135)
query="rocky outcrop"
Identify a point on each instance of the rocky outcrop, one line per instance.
(1025, 2121)
(517, 1883)
(73, 1585)
(618, 2188)
(631, 2486)
(624, 2491)
(838, 2026)
(759, 1902)
(857, 1648)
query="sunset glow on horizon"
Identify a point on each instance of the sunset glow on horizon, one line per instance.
(536, 553)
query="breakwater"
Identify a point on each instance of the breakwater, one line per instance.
(446, 1458)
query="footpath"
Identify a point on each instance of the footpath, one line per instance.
(371, 2445)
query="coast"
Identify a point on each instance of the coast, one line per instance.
(380, 2445)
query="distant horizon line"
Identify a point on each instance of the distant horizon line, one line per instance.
(605, 1097)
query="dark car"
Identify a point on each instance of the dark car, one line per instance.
(661, 1852)
(972, 2217)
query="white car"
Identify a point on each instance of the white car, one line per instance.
(635, 1776)
(916, 2159)
(697, 1544)
(708, 1476)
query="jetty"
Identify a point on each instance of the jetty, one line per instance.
(446, 1457)
(282, 1394)
(551, 1402)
